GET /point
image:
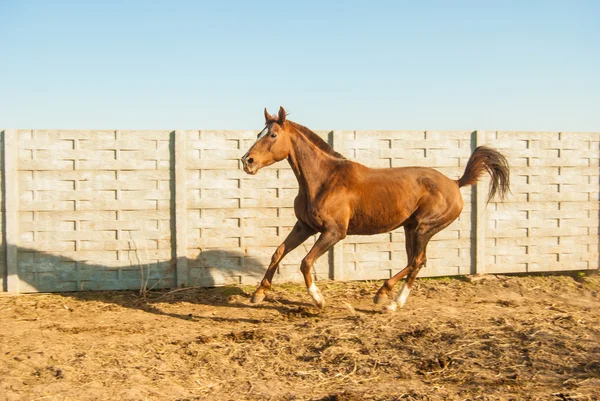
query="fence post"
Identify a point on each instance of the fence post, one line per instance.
(480, 215)
(336, 259)
(11, 208)
(3, 271)
(180, 208)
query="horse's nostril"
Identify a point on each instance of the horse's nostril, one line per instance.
(249, 160)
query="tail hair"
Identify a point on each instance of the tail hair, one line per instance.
(487, 159)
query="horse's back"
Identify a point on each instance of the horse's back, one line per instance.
(407, 182)
(382, 200)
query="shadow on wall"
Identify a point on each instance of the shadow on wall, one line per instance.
(45, 272)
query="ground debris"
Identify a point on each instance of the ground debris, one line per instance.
(500, 339)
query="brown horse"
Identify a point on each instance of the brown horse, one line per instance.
(339, 197)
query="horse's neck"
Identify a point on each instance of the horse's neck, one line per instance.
(310, 164)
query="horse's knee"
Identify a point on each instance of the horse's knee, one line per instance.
(420, 260)
(305, 267)
(277, 255)
(275, 258)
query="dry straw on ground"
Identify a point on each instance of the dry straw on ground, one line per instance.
(520, 338)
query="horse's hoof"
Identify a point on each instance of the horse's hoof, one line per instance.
(391, 308)
(379, 298)
(257, 297)
(321, 303)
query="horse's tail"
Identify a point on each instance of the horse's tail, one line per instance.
(490, 160)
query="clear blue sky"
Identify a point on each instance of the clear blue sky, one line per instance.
(526, 65)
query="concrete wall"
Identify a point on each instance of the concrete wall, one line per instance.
(94, 209)
(3, 212)
(551, 221)
(112, 209)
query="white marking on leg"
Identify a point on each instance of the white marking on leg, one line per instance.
(315, 293)
(392, 307)
(402, 295)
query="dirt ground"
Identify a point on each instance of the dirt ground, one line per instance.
(498, 338)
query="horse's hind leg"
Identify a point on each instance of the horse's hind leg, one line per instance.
(388, 285)
(297, 236)
(417, 238)
(400, 299)
(420, 238)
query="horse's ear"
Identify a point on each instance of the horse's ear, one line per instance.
(281, 116)
(267, 116)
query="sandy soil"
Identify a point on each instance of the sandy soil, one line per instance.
(499, 338)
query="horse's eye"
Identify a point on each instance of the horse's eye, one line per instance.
(273, 135)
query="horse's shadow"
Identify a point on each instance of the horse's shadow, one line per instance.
(230, 296)
(215, 281)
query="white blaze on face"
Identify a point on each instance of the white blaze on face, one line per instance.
(262, 133)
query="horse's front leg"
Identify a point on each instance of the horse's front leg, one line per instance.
(295, 238)
(326, 240)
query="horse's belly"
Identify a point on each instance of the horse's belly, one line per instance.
(376, 223)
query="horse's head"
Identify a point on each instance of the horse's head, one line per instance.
(272, 144)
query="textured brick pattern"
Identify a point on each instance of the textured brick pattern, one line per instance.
(97, 209)
(551, 221)
(94, 209)
(381, 256)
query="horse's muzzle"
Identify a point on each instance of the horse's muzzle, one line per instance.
(249, 164)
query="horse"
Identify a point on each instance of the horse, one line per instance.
(339, 197)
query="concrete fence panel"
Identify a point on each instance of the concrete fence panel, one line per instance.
(93, 210)
(550, 223)
(87, 210)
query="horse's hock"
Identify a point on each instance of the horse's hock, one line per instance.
(120, 209)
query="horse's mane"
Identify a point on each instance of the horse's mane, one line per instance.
(315, 139)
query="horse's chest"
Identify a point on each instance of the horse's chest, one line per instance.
(308, 214)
